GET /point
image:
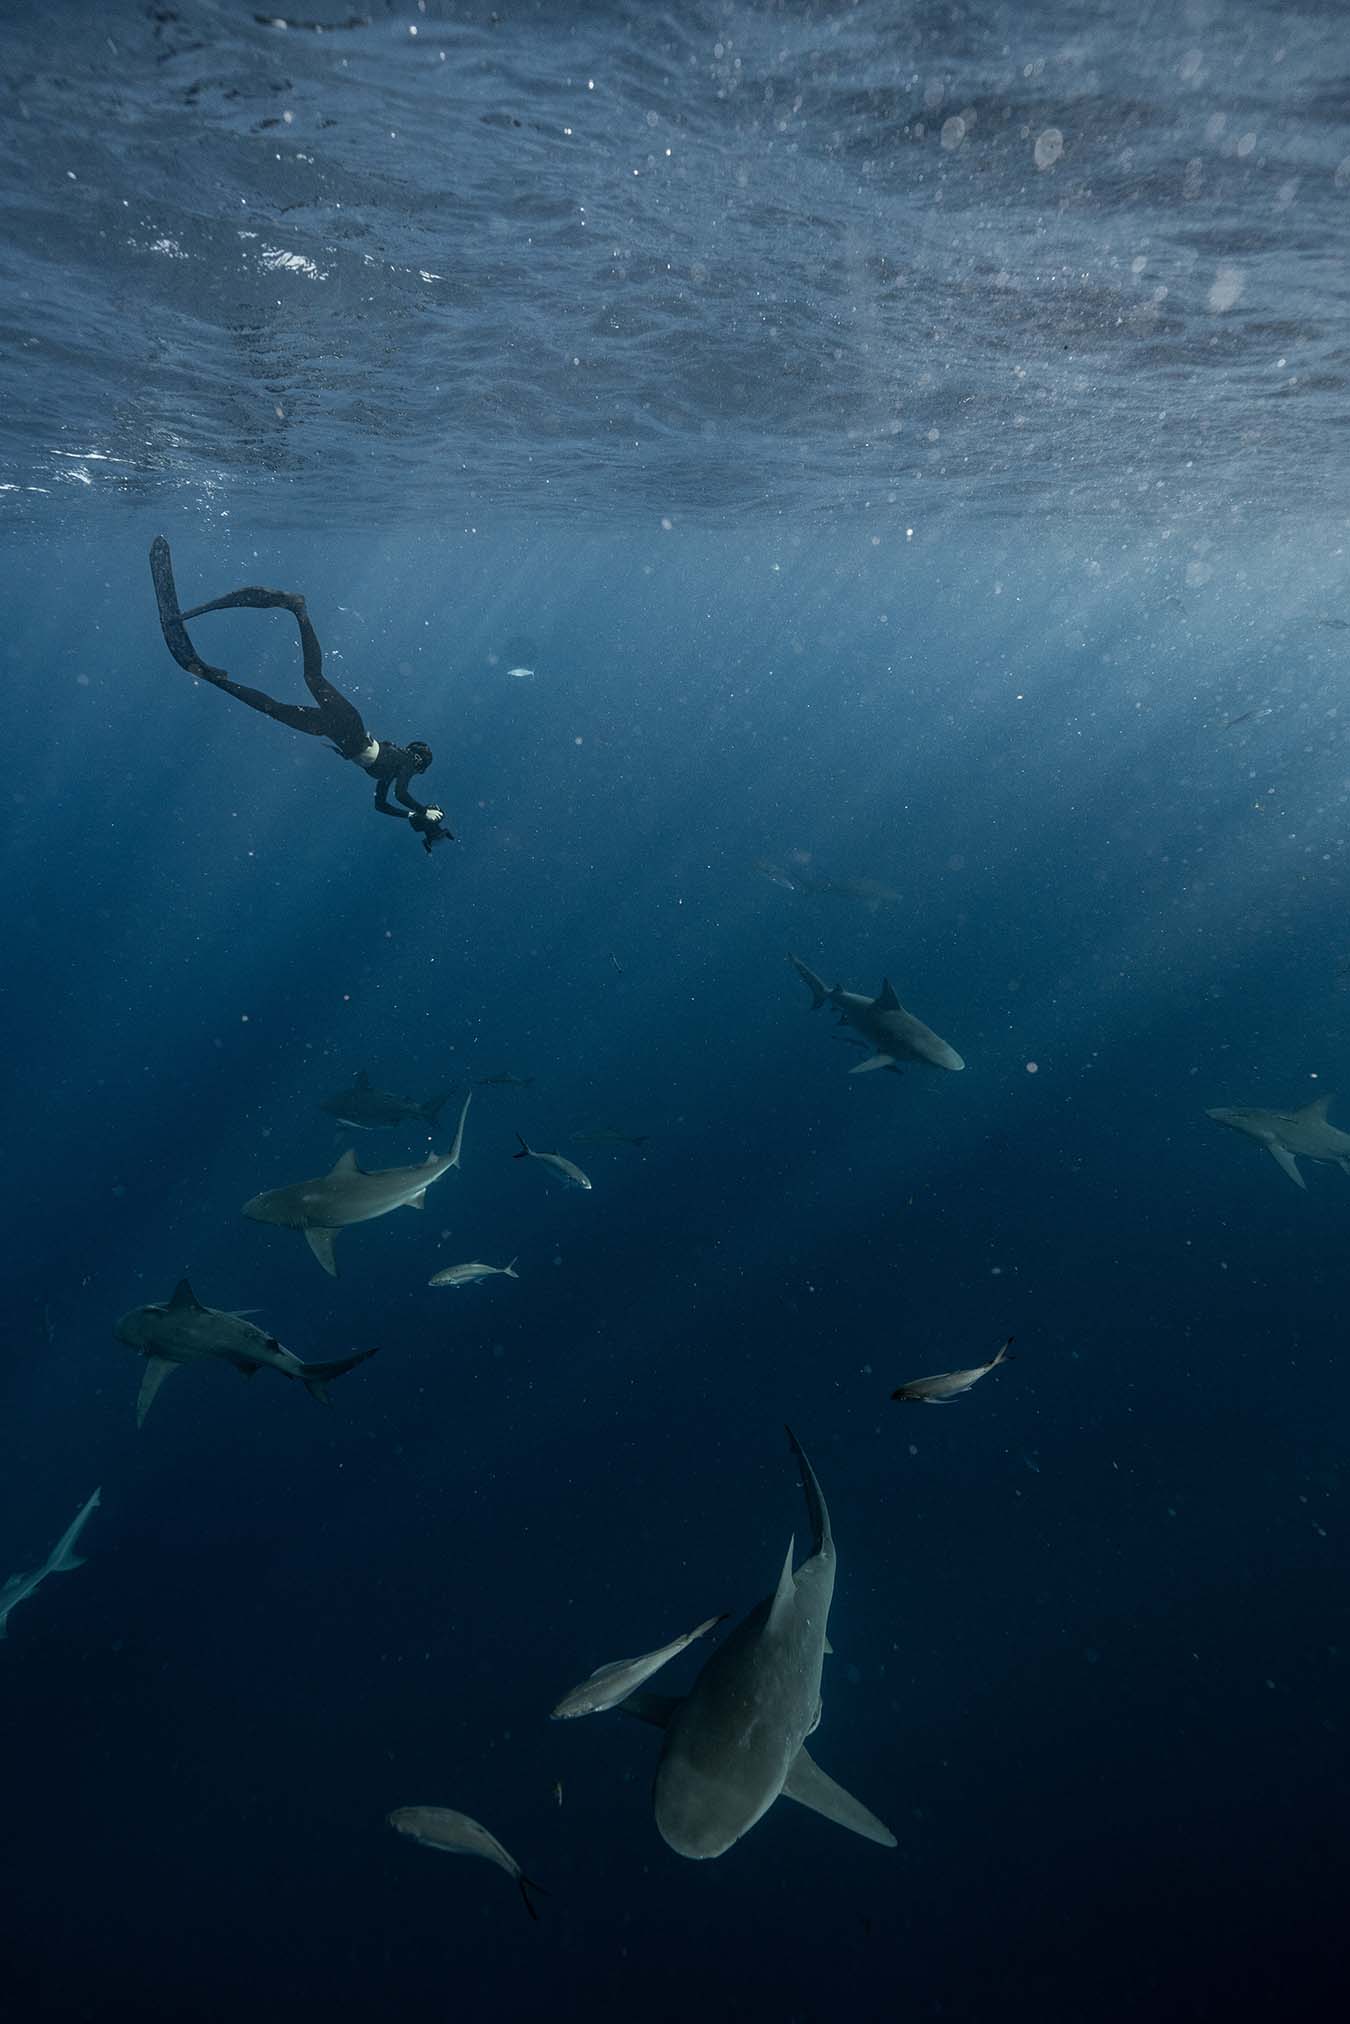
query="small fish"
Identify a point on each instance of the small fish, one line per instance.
(505, 1080)
(464, 1275)
(1233, 722)
(455, 1833)
(62, 1559)
(936, 1391)
(521, 674)
(557, 1792)
(615, 961)
(571, 1173)
(607, 1136)
(608, 1685)
(1336, 624)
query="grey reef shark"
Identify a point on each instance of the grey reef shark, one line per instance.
(368, 1109)
(347, 1194)
(179, 1330)
(738, 1740)
(1292, 1135)
(893, 1034)
(63, 1559)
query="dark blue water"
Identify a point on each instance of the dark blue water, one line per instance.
(1090, 1623)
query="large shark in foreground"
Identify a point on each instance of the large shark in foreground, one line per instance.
(738, 1740)
(894, 1034)
(346, 1194)
(180, 1330)
(1286, 1133)
(61, 1560)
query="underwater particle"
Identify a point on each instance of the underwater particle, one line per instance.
(1225, 289)
(1049, 147)
(1033, 1068)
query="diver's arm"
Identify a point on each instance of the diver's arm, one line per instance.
(410, 801)
(382, 802)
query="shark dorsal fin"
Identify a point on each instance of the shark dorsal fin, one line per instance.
(1316, 1111)
(784, 1594)
(348, 1163)
(360, 1080)
(183, 1296)
(887, 1002)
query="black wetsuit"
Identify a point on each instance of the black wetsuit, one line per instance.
(330, 715)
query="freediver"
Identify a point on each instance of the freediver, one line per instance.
(330, 716)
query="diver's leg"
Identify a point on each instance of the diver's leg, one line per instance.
(341, 719)
(296, 716)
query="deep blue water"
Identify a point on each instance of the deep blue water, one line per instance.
(1078, 705)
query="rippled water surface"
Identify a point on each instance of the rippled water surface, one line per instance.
(425, 260)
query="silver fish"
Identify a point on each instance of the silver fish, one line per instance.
(936, 1391)
(457, 1834)
(570, 1172)
(465, 1275)
(608, 1685)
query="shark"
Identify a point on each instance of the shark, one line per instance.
(870, 891)
(738, 1739)
(62, 1559)
(179, 1330)
(1291, 1135)
(894, 1034)
(367, 1109)
(347, 1194)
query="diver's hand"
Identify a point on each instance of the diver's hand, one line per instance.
(428, 824)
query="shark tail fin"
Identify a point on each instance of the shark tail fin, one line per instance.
(526, 1884)
(316, 1376)
(815, 1503)
(1003, 1355)
(815, 985)
(510, 1270)
(524, 1152)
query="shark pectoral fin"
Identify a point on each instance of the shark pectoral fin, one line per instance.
(1287, 1164)
(654, 1708)
(417, 1201)
(320, 1243)
(809, 1786)
(156, 1370)
(873, 1061)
